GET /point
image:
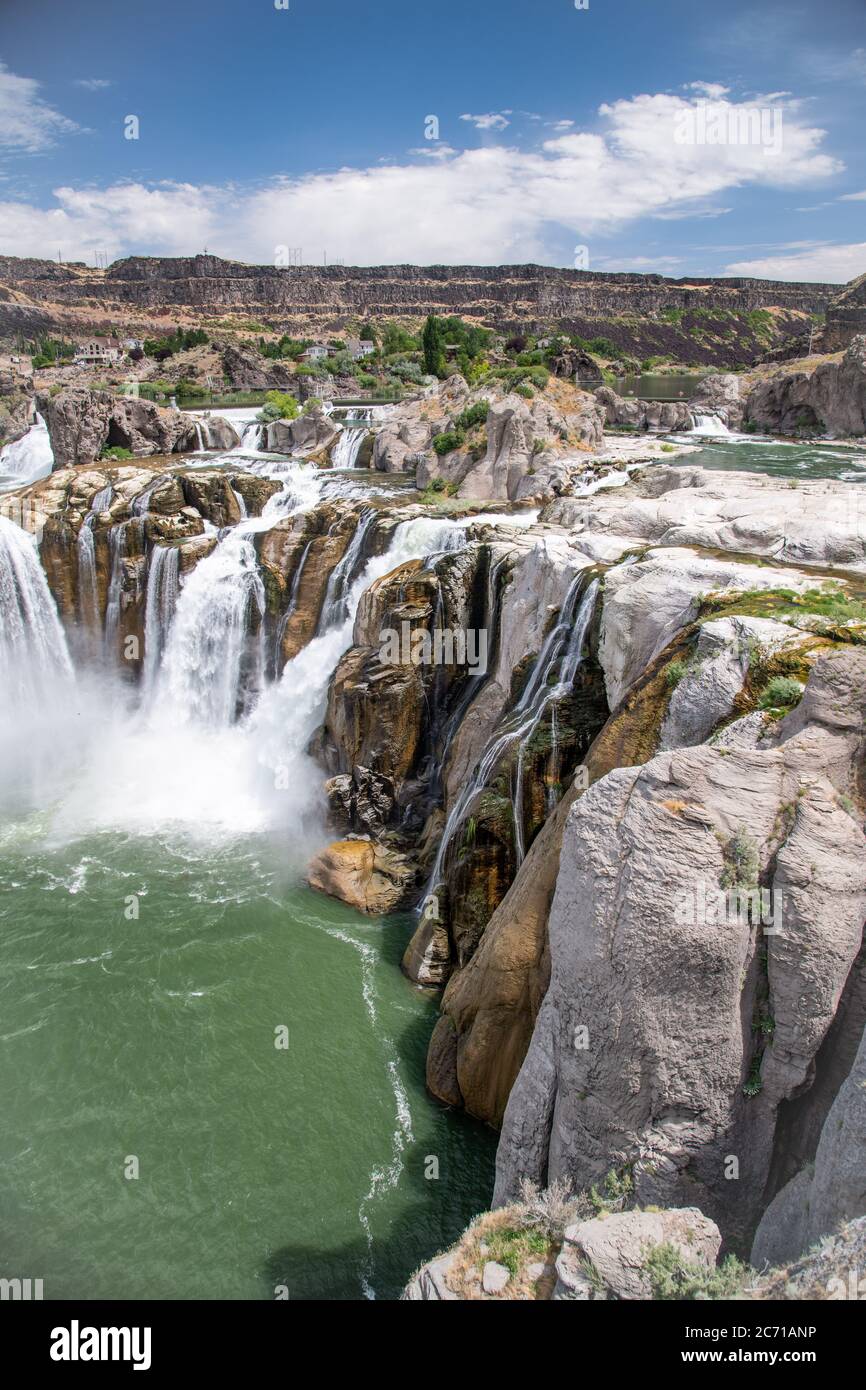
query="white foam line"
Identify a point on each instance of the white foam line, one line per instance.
(381, 1180)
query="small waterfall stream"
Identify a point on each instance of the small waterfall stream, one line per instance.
(348, 446)
(707, 423)
(335, 606)
(88, 591)
(163, 587)
(559, 650)
(117, 552)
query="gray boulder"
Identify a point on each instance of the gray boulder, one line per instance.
(609, 1253)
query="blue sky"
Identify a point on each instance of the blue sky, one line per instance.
(658, 135)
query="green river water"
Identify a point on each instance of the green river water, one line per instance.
(155, 1038)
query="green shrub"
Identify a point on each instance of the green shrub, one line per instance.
(279, 405)
(473, 415)
(782, 692)
(674, 673)
(447, 441)
(117, 452)
(741, 861)
(524, 389)
(672, 1276)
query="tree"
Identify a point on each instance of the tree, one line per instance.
(433, 342)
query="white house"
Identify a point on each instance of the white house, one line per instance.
(99, 350)
(360, 347)
(316, 353)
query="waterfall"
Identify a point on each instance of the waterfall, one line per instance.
(547, 697)
(163, 586)
(199, 438)
(213, 665)
(291, 606)
(704, 422)
(29, 459)
(33, 651)
(205, 674)
(289, 712)
(117, 551)
(348, 446)
(558, 650)
(242, 506)
(335, 606)
(251, 437)
(88, 591)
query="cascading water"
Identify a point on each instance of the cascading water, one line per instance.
(116, 551)
(348, 446)
(28, 459)
(207, 653)
(335, 606)
(547, 697)
(291, 605)
(537, 696)
(704, 422)
(213, 667)
(88, 592)
(33, 651)
(289, 712)
(163, 587)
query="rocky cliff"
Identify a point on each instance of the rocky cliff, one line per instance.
(707, 318)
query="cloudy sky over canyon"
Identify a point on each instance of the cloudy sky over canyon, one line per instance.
(519, 132)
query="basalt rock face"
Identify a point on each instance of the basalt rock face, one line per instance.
(813, 524)
(82, 423)
(509, 760)
(671, 1037)
(247, 371)
(830, 398)
(674, 605)
(506, 297)
(846, 317)
(403, 442)
(391, 699)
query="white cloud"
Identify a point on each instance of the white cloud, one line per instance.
(853, 197)
(807, 261)
(494, 120)
(28, 125)
(93, 84)
(490, 205)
